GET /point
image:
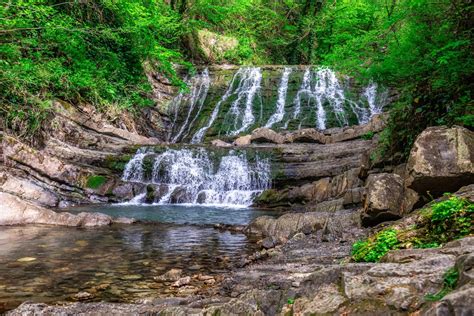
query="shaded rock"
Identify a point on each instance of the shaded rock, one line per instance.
(243, 140)
(266, 135)
(441, 160)
(386, 198)
(220, 143)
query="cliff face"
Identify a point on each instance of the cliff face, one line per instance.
(81, 158)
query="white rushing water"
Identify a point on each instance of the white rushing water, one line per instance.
(199, 87)
(280, 105)
(320, 101)
(246, 91)
(195, 176)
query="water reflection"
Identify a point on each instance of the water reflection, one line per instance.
(115, 263)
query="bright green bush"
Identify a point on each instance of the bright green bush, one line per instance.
(449, 220)
(95, 182)
(375, 247)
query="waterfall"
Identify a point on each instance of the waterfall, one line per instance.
(280, 106)
(197, 176)
(198, 137)
(134, 169)
(197, 96)
(370, 93)
(322, 100)
(247, 89)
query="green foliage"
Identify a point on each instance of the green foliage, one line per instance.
(81, 51)
(450, 279)
(291, 301)
(442, 222)
(450, 219)
(368, 135)
(375, 247)
(95, 182)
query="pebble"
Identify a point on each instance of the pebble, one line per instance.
(83, 296)
(131, 277)
(182, 282)
(26, 259)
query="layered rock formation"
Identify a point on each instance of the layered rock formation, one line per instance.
(80, 161)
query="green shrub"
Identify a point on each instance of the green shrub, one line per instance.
(375, 247)
(95, 182)
(368, 135)
(450, 219)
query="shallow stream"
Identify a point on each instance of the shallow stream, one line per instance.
(119, 263)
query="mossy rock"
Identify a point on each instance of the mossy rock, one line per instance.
(95, 182)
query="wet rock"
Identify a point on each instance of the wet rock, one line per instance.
(441, 160)
(266, 135)
(171, 275)
(376, 124)
(386, 198)
(220, 143)
(132, 277)
(182, 282)
(243, 140)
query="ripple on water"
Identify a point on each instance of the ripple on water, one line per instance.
(115, 263)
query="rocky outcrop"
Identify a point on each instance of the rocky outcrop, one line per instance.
(288, 225)
(441, 160)
(266, 135)
(243, 140)
(15, 211)
(386, 198)
(346, 188)
(307, 135)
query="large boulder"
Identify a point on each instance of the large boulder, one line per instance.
(266, 135)
(386, 198)
(441, 160)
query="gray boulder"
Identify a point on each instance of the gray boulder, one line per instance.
(441, 160)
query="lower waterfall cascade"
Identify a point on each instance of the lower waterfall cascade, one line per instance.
(228, 102)
(198, 176)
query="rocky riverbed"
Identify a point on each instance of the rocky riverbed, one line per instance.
(331, 193)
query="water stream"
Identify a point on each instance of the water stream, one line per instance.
(304, 97)
(198, 176)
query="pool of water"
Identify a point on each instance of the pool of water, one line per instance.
(178, 213)
(118, 263)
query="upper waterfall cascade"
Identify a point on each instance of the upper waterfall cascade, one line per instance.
(198, 176)
(227, 103)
